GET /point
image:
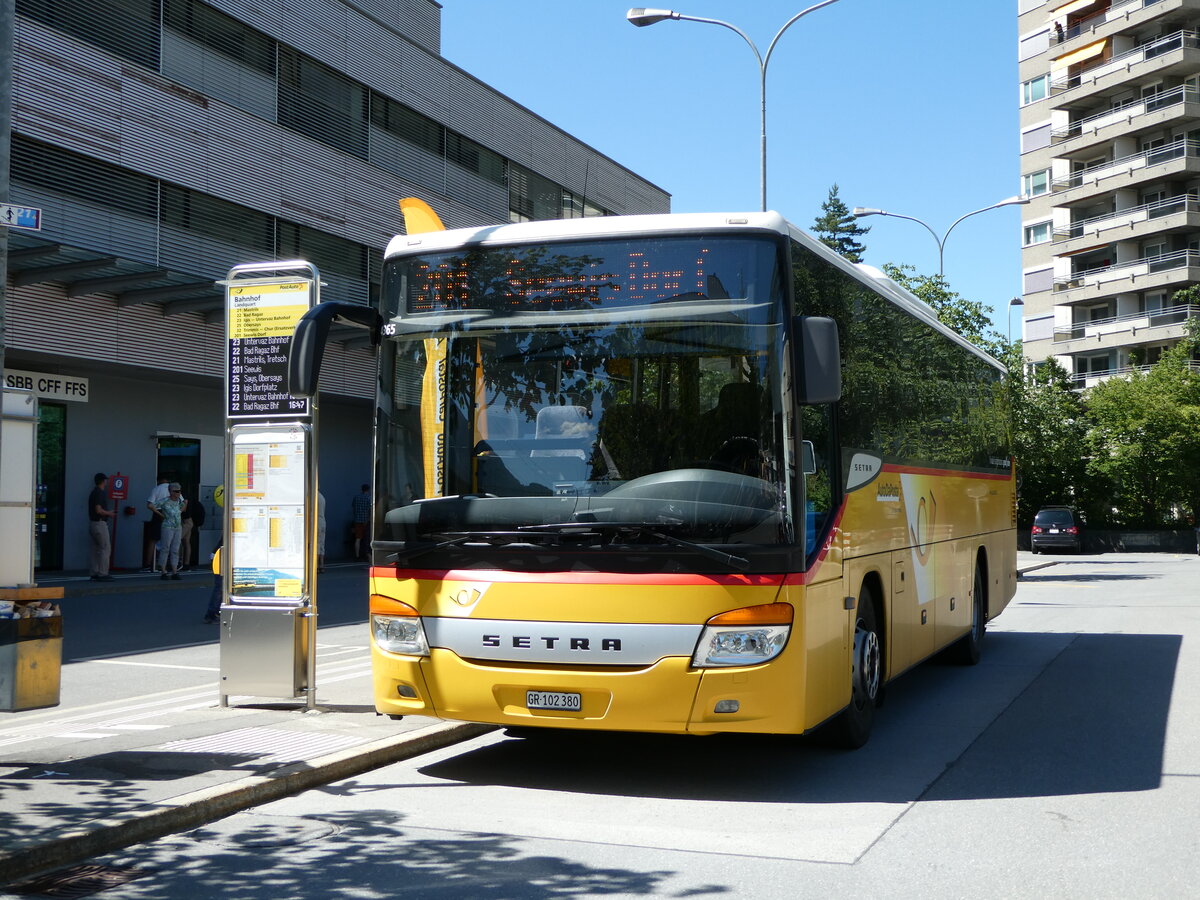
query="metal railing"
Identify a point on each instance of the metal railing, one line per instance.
(1092, 22)
(1155, 103)
(1103, 374)
(1169, 315)
(1151, 265)
(1154, 157)
(1132, 215)
(1145, 52)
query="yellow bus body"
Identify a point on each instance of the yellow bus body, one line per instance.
(911, 537)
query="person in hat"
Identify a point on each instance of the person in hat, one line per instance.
(171, 510)
(98, 516)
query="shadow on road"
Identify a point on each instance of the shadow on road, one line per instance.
(1093, 720)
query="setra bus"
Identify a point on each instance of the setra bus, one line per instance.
(672, 473)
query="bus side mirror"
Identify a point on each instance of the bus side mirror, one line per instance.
(312, 333)
(818, 360)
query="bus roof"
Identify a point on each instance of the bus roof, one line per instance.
(599, 227)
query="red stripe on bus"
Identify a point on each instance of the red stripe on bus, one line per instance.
(493, 575)
(944, 473)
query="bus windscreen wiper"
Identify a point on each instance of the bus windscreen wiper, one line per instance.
(584, 528)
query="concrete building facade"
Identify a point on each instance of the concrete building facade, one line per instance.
(1110, 155)
(166, 141)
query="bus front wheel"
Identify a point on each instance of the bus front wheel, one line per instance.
(852, 726)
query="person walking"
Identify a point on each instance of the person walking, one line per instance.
(98, 516)
(361, 522)
(171, 511)
(216, 596)
(185, 534)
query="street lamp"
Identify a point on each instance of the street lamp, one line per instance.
(860, 211)
(641, 17)
(1015, 301)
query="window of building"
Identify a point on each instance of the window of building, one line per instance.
(128, 28)
(1035, 89)
(1035, 183)
(1038, 233)
(532, 196)
(407, 124)
(52, 169)
(1153, 302)
(216, 218)
(476, 158)
(322, 103)
(221, 33)
(330, 253)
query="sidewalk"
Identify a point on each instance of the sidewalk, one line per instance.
(90, 777)
(101, 771)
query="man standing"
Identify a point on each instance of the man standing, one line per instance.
(153, 530)
(361, 506)
(98, 516)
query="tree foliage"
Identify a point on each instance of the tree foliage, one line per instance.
(836, 227)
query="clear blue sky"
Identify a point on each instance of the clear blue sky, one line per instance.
(907, 106)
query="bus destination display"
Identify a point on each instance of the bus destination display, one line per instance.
(260, 321)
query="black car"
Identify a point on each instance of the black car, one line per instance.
(1056, 528)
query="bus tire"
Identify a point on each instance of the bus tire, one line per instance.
(852, 726)
(967, 650)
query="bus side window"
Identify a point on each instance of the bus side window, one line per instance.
(816, 424)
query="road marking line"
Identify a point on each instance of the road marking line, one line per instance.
(122, 662)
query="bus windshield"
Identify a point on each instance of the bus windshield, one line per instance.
(584, 394)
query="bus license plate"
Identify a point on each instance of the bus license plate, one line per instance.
(553, 700)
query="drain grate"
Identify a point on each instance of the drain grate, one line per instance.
(267, 745)
(77, 881)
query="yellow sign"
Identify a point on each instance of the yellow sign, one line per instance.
(266, 310)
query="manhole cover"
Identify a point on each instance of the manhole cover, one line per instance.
(77, 881)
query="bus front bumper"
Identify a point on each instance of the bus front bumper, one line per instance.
(670, 696)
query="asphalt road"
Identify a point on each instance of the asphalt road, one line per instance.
(1067, 764)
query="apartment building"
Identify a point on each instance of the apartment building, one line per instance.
(1110, 155)
(166, 141)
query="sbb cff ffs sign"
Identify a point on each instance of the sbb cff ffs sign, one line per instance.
(54, 387)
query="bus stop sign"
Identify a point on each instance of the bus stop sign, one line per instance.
(118, 487)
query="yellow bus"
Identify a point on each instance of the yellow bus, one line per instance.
(679, 473)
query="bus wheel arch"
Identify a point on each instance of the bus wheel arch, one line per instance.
(968, 649)
(851, 728)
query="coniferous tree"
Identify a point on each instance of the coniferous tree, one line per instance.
(837, 228)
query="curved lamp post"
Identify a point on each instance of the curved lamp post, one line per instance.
(860, 211)
(641, 17)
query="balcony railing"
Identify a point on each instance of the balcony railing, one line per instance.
(1145, 52)
(1131, 216)
(1170, 315)
(1150, 265)
(1082, 378)
(1121, 7)
(1141, 106)
(1154, 157)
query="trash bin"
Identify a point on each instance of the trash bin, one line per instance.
(30, 662)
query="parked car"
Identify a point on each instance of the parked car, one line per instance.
(1056, 528)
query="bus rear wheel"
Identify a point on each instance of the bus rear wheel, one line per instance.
(852, 727)
(967, 650)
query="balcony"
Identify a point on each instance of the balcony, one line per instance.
(1178, 52)
(1172, 214)
(1174, 159)
(1140, 274)
(1119, 15)
(1100, 328)
(1140, 114)
(1090, 379)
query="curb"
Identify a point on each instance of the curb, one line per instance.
(1027, 569)
(150, 822)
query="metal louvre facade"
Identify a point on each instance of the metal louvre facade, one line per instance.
(167, 140)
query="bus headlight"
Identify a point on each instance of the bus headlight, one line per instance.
(397, 627)
(744, 637)
(400, 635)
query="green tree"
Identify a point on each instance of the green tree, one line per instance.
(968, 317)
(838, 229)
(1050, 431)
(1146, 436)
